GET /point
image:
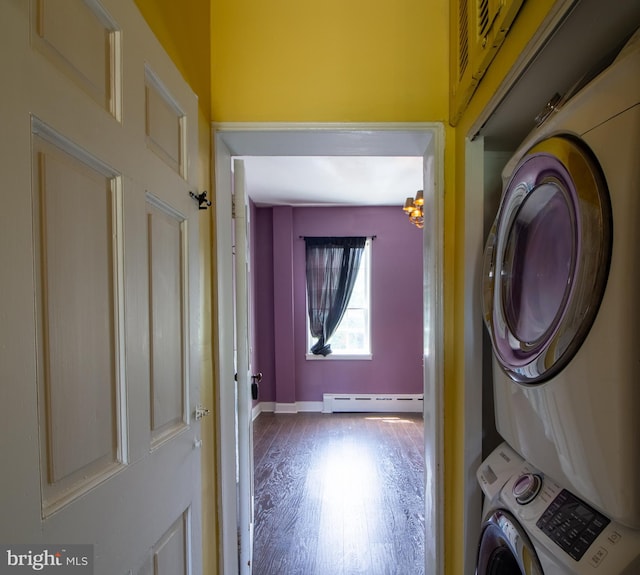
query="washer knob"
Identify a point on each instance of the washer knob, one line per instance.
(526, 487)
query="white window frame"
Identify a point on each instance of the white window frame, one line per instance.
(365, 268)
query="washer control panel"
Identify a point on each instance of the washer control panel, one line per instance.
(572, 524)
(565, 532)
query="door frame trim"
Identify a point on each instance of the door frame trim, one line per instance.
(357, 139)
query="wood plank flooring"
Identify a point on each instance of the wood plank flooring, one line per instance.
(339, 494)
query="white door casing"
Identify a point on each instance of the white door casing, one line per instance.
(243, 367)
(225, 364)
(98, 299)
(425, 140)
(433, 352)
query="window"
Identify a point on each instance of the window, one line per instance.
(352, 338)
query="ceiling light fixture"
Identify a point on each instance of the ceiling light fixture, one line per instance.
(413, 207)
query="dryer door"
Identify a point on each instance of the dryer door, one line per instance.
(547, 259)
(505, 548)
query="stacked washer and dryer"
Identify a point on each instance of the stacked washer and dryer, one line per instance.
(561, 297)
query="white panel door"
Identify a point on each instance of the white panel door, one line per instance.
(243, 367)
(99, 292)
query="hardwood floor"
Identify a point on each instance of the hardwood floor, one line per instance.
(339, 494)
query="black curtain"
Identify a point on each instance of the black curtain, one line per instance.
(332, 268)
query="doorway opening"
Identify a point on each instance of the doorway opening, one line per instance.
(384, 140)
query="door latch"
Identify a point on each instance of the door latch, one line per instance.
(200, 412)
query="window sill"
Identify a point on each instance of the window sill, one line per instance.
(338, 356)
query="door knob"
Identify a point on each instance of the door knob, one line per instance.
(255, 389)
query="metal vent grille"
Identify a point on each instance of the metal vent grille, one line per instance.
(463, 38)
(484, 21)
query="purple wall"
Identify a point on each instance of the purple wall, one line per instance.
(280, 300)
(262, 349)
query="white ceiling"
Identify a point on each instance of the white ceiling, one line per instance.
(332, 180)
(329, 165)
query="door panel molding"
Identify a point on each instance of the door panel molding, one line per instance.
(83, 40)
(79, 313)
(164, 123)
(168, 336)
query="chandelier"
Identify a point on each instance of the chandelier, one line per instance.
(413, 207)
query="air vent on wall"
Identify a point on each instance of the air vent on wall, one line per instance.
(483, 17)
(463, 39)
(481, 28)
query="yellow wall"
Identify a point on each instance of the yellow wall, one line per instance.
(183, 29)
(290, 61)
(210, 535)
(329, 61)
(343, 61)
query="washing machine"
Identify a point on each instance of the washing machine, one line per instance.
(534, 526)
(561, 294)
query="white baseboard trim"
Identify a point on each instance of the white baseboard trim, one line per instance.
(297, 407)
(260, 407)
(398, 403)
(309, 406)
(286, 408)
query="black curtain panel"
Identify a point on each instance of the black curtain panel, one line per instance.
(332, 268)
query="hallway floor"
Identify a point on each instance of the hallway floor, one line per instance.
(339, 494)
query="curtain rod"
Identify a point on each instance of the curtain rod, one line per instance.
(305, 237)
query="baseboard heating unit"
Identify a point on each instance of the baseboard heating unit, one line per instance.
(373, 403)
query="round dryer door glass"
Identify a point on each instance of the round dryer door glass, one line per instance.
(547, 259)
(505, 548)
(538, 263)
